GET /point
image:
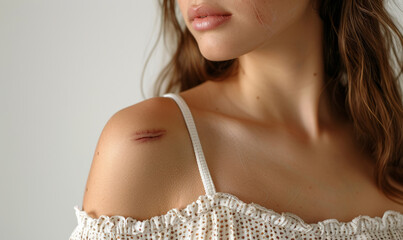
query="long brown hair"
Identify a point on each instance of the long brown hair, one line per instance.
(359, 39)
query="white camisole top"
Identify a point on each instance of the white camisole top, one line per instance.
(220, 215)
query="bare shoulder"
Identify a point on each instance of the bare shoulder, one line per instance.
(137, 152)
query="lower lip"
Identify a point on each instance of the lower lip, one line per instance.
(209, 22)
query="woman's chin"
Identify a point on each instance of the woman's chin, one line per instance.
(217, 56)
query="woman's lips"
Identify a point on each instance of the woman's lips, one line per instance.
(203, 10)
(206, 17)
(209, 22)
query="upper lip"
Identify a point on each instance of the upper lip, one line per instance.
(205, 10)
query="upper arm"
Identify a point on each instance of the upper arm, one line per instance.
(130, 176)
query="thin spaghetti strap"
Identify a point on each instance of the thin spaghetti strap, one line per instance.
(197, 148)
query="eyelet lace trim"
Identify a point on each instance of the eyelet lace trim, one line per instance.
(119, 224)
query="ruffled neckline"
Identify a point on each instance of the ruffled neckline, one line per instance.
(205, 203)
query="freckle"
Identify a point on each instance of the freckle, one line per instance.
(315, 74)
(257, 97)
(86, 189)
(97, 153)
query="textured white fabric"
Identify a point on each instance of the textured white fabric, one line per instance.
(219, 215)
(201, 161)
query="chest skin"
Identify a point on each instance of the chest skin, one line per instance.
(280, 169)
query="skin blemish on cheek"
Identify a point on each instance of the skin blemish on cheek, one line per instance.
(264, 14)
(259, 18)
(148, 135)
(315, 74)
(257, 13)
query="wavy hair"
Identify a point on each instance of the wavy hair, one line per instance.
(360, 39)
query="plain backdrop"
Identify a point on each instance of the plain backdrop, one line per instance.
(65, 68)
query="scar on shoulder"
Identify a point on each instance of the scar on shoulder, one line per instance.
(148, 135)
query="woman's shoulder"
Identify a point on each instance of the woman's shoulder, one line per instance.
(137, 153)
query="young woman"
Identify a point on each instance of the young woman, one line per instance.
(287, 123)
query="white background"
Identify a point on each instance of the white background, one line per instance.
(65, 68)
